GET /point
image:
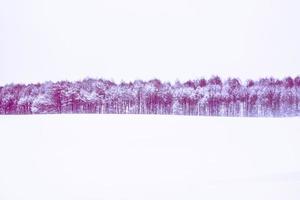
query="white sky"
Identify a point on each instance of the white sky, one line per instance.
(168, 39)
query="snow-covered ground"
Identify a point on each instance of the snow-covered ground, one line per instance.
(136, 157)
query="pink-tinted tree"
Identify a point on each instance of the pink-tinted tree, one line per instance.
(10, 97)
(297, 92)
(215, 99)
(27, 95)
(265, 97)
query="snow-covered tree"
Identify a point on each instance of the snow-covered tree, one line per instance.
(264, 97)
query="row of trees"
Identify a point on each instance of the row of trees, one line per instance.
(211, 97)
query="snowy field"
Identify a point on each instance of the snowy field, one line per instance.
(137, 157)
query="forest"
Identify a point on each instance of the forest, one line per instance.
(266, 97)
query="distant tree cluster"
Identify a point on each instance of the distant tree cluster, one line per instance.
(211, 97)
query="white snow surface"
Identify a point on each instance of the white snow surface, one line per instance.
(137, 157)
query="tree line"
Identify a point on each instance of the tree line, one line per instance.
(207, 97)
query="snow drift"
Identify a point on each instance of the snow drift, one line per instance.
(135, 157)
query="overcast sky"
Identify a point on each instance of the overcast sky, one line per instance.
(134, 39)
